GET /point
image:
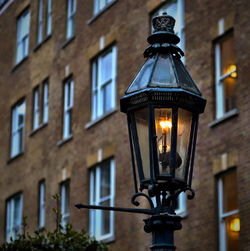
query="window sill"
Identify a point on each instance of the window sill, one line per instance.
(108, 240)
(38, 129)
(63, 141)
(97, 120)
(68, 41)
(226, 116)
(41, 43)
(15, 157)
(91, 20)
(19, 63)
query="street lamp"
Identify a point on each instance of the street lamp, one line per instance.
(162, 106)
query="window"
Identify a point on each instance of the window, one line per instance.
(68, 105)
(65, 206)
(229, 223)
(41, 219)
(103, 83)
(36, 109)
(225, 74)
(49, 17)
(47, 5)
(40, 116)
(23, 28)
(13, 217)
(45, 102)
(175, 8)
(102, 192)
(100, 5)
(71, 18)
(3, 2)
(17, 134)
(40, 22)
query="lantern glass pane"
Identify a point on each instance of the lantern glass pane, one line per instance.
(163, 75)
(183, 137)
(142, 79)
(141, 119)
(163, 125)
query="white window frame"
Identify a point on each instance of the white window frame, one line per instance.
(97, 85)
(220, 99)
(45, 102)
(23, 39)
(68, 105)
(222, 217)
(99, 5)
(13, 227)
(49, 17)
(65, 215)
(95, 215)
(41, 222)
(71, 11)
(179, 27)
(40, 22)
(36, 109)
(17, 132)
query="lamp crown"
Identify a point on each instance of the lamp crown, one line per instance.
(163, 30)
(163, 22)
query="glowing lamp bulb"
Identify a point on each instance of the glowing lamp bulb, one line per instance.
(165, 124)
(232, 69)
(235, 225)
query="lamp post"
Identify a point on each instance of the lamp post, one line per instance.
(162, 106)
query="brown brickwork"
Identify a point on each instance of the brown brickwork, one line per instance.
(125, 24)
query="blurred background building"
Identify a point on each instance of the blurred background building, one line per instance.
(64, 65)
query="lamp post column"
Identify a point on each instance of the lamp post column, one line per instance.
(162, 227)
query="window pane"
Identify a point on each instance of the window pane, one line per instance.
(232, 236)
(141, 118)
(107, 97)
(230, 192)
(106, 73)
(105, 218)
(227, 55)
(105, 180)
(183, 136)
(103, 95)
(49, 17)
(163, 125)
(229, 84)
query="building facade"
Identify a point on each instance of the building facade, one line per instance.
(64, 67)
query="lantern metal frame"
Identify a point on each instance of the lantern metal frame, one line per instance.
(183, 94)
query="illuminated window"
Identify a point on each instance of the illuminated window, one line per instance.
(23, 29)
(103, 83)
(17, 134)
(229, 221)
(14, 217)
(225, 74)
(102, 193)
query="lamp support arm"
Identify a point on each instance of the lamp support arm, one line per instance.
(119, 209)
